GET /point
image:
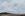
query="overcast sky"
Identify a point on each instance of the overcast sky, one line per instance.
(15, 6)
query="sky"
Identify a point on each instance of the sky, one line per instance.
(12, 6)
